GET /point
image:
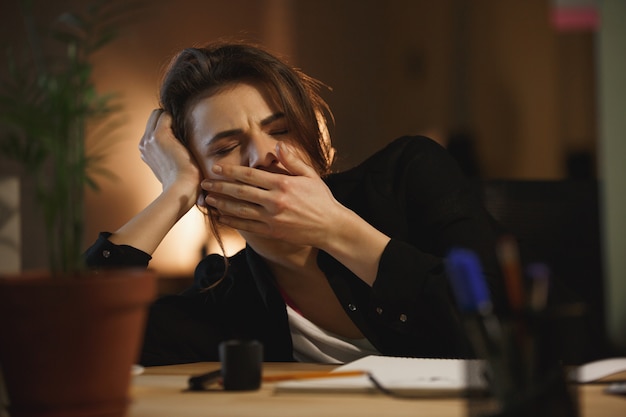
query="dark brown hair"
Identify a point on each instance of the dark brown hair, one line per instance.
(196, 73)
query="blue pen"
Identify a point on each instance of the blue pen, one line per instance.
(468, 283)
(483, 327)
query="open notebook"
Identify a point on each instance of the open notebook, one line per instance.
(404, 376)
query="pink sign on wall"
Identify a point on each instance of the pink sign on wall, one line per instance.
(575, 15)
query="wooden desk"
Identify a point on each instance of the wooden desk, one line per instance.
(160, 392)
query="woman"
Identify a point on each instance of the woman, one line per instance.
(336, 266)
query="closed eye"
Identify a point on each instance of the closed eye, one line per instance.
(279, 132)
(224, 149)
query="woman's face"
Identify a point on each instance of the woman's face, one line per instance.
(240, 125)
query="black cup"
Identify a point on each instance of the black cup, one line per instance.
(241, 362)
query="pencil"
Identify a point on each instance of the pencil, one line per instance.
(311, 375)
(200, 382)
(510, 263)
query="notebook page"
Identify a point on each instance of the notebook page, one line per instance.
(423, 376)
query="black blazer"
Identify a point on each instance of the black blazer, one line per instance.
(411, 190)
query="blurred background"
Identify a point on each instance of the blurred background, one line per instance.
(508, 86)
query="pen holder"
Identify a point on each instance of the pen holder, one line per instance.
(525, 376)
(241, 362)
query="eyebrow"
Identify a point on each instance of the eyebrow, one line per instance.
(232, 132)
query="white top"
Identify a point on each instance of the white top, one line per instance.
(314, 344)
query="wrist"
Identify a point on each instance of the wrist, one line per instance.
(183, 195)
(357, 245)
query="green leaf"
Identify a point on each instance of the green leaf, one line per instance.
(50, 109)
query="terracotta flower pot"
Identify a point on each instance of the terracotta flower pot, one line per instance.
(68, 345)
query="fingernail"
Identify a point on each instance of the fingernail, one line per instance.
(217, 169)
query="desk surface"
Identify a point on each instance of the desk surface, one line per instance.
(160, 392)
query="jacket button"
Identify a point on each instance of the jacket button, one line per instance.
(106, 253)
(403, 318)
(379, 310)
(351, 307)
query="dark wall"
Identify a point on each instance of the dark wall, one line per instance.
(521, 91)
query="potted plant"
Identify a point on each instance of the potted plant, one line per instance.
(69, 336)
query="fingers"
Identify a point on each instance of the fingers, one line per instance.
(158, 127)
(227, 207)
(245, 175)
(164, 121)
(168, 159)
(294, 164)
(151, 126)
(153, 120)
(236, 191)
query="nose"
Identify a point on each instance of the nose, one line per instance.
(262, 151)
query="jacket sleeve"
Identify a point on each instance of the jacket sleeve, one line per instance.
(411, 293)
(442, 211)
(179, 328)
(104, 254)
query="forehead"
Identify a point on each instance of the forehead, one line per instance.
(246, 95)
(232, 105)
